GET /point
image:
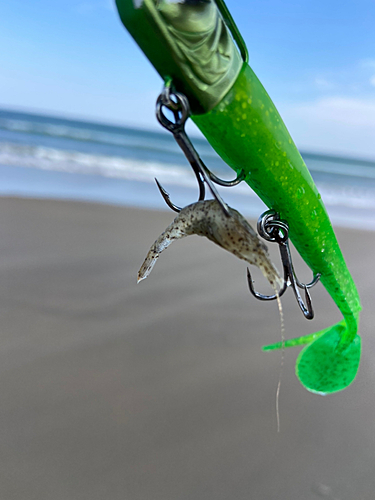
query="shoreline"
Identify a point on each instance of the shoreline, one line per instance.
(29, 182)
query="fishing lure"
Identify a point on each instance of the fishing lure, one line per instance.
(198, 51)
(231, 232)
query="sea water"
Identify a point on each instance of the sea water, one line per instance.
(50, 157)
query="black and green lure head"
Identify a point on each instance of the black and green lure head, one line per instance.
(190, 42)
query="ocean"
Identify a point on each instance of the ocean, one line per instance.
(50, 157)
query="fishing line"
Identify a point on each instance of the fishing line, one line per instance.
(282, 326)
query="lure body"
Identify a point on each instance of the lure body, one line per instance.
(236, 115)
(233, 233)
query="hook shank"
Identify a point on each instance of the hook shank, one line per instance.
(179, 105)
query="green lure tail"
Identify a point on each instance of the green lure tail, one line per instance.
(324, 366)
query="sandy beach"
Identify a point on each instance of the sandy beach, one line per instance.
(160, 391)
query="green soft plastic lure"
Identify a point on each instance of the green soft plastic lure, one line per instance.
(191, 42)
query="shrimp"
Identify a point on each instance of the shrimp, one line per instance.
(233, 233)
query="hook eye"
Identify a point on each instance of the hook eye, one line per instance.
(272, 228)
(166, 96)
(180, 109)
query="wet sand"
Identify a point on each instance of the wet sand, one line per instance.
(160, 391)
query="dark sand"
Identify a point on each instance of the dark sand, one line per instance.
(160, 391)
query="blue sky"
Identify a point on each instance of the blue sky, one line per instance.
(315, 58)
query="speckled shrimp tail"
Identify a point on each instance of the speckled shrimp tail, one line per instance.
(173, 232)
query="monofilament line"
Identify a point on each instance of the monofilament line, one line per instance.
(282, 358)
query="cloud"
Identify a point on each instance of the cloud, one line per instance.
(340, 125)
(352, 80)
(351, 111)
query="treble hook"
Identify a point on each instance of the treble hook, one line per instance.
(271, 228)
(180, 108)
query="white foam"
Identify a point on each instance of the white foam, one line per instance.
(108, 166)
(360, 198)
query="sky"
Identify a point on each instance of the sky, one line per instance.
(315, 58)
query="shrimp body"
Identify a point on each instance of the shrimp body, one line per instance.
(233, 233)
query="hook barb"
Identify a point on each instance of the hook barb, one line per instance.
(167, 198)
